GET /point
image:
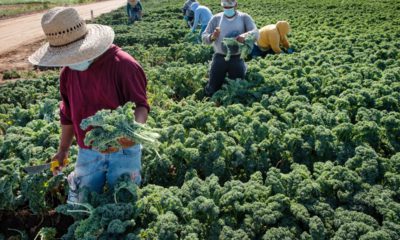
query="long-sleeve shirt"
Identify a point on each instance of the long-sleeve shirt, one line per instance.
(186, 8)
(202, 15)
(242, 24)
(111, 80)
(138, 7)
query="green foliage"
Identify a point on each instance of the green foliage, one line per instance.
(10, 74)
(108, 126)
(305, 147)
(41, 192)
(46, 234)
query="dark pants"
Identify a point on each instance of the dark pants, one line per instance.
(257, 52)
(235, 68)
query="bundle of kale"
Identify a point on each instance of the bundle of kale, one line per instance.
(244, 48)
(109, 126)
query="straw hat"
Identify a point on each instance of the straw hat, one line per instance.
(70, 40)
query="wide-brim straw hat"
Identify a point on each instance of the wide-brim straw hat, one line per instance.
(70, 40)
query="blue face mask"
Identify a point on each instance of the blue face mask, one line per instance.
(230, 12)
(81, 66)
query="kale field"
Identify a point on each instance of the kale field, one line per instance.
(307, 146)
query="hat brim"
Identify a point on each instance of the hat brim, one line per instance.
(96, 41)
(226, 4)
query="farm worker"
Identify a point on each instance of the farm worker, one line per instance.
(202, 15)
(134, 9)
(95, 75)
(188, 14)
(271, 38)
(230, 23)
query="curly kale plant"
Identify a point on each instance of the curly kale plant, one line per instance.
(46, 233)
(109, 126)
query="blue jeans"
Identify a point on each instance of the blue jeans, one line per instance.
(93, 169)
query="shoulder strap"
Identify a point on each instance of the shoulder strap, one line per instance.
(244, 24)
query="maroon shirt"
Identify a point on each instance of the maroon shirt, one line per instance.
(112, 80)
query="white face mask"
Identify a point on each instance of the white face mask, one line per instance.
(81, 66)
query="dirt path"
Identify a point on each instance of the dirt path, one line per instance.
(21, 36)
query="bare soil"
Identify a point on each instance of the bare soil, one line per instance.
(17, 59)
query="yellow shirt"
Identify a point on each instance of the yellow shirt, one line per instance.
(269, 36)
(271, 39)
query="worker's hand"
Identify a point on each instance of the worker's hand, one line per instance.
(240, 39)
(60, 156)
(126, 142)
(215, 34)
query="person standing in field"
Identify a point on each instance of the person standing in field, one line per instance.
(202, 16)
(95, 75)
(228, 24)
(272, 37)
(188, 14)
(134, 9)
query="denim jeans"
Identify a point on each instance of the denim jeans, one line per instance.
(93, 169)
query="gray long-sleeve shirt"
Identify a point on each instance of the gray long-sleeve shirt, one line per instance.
(241, 24)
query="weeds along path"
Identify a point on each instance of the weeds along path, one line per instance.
(17, 32)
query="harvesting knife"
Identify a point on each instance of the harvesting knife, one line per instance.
(39, 168)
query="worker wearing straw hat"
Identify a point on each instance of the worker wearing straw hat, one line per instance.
(95, 75)
(228, 24)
